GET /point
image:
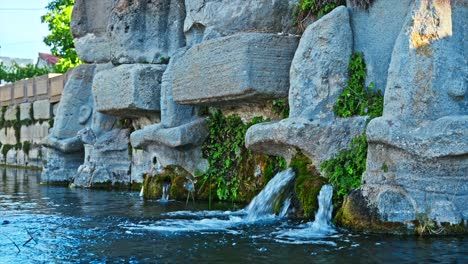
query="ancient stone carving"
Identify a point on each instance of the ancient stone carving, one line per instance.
(318, 74)
(146, 31)
(177, 139)
(65, 150)
(419, 147)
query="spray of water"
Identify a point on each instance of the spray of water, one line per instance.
(320, 228)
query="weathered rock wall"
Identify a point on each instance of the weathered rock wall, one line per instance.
(163, 66)
(418, 150)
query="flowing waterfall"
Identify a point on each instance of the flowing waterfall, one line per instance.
(263, 204)
(321, 227)
(166, 187)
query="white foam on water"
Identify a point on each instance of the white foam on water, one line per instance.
(322, 227)
(261, 209)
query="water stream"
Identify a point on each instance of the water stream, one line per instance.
(76, 225)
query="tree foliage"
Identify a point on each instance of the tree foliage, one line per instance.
(16, 72)
(60, 40)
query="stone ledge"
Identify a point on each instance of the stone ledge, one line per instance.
(318, 140)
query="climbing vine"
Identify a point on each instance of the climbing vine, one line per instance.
(356, 98)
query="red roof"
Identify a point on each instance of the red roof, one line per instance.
(49, 58)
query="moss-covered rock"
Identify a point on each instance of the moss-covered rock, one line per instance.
(175, 175)
(357, 216)
(307, 185)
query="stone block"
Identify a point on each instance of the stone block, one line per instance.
(241, 68)
(319, 71)
(25, 110)
(146, 31)
(210, 19)
(42, 109)
(89, 23)
(129, 90)
(10, 113)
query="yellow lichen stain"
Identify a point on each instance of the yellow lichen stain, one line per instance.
(431, 22)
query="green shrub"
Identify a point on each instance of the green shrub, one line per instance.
(232, 166)
(356, 98)
(345, 170)
(314, 8)
(281, 107)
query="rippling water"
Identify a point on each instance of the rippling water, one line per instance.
(61, 225)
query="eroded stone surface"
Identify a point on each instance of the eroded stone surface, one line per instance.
(129, 90)
(89, 23)
(239, 68)
(73, 114)
(318, 74)
(177, 139)
(374, 33)
(208, 19)
(419, 147)
(146, 31)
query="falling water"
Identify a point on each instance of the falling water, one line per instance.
(263, 204)
(321, 227)
(166, 186)
(261, 208)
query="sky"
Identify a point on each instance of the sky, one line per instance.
(21, 30)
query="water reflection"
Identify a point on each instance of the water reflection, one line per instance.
(75, 225)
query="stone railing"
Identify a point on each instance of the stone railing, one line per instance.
(49, 86)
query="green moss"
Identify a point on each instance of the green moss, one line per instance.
(281, 107)
(175, 175)
(307, 185)
(21, 167)
(178, 190)
(6, 148)
(26, 147)
(357, 216)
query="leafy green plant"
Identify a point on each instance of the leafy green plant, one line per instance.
(281, 107)
(356, 98)
(15, 72)
(345, 170)
(314, 8)
(225, 150)
(232, 167)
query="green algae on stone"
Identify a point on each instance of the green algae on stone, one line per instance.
(307, 185)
